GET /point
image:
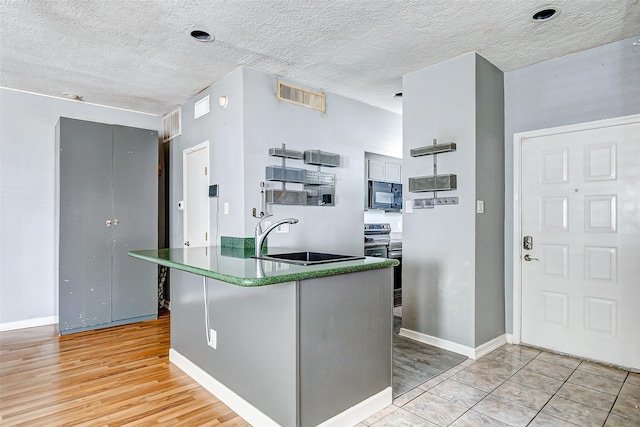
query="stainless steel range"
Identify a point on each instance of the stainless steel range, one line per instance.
(378, 243)
(376, 239)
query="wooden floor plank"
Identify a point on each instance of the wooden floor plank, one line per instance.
(118, 376)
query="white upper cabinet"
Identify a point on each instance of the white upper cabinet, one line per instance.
(384, 171)
(376, 170)
(392, 172)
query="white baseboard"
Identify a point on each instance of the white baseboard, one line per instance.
(509, 338)
(240, 406)
(362, 410)
(472, 353)
(490, 345)
(255, 417)
(438, 342)
(28, 323)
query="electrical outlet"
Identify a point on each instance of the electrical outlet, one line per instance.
(225, 208)
(213, 190)
(213, 338)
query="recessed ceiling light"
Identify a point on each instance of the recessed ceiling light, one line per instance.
(72, 95)
(545, 14)
(202, 36)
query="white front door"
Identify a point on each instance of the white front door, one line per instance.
(580, 203)
(196, 195)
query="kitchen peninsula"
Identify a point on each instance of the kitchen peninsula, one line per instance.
(280, 343)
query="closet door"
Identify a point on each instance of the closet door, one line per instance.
(85, 195)
(135, 210)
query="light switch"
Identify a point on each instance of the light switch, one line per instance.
(283, 228)
(408, 206)
(225, 208)
(480, 206)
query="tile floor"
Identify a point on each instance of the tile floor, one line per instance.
(414, 362)
(519, 386)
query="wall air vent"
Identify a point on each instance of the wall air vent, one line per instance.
(300, 96)
(172, 125)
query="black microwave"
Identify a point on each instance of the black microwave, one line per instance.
(385, 195)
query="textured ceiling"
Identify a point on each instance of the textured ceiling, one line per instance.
(138, 55)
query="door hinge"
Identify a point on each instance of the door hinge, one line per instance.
(206, 236)
(205, 170)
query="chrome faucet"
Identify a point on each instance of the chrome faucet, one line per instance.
(261, 236)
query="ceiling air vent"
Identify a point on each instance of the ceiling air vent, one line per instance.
(301, 96)
(172, 125)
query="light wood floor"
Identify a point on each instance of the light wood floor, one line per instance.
(112, 377)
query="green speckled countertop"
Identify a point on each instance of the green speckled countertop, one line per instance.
(245, 271)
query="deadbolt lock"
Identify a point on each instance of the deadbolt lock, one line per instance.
(527, 243)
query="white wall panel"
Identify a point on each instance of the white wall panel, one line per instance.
(600, 162)
(555, 168)
(554, 214)
(600, 315)
(600, 214)
(556, 260)
(601, 264)
(555, 308)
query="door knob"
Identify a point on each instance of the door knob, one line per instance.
(527, 257)
(108, 223)
(186, 243)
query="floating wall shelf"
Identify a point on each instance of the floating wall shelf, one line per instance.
(285, 174)
(318, 187)
(287, 154)
(321, 158)
(433, 149)
(434, 182)
(286, 197)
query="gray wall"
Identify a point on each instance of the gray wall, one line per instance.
(254, 121)
(489, 188)
(222, 127)
(348, 128)
(591, 85)
(438, 262)
(256, 339)
(453, 257)
(27, 221)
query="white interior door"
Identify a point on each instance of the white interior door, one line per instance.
(581, 205)
(196, 195)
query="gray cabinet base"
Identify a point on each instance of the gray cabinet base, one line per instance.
(300, 352)
(109, 325)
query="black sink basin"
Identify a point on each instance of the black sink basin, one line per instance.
(308, 258)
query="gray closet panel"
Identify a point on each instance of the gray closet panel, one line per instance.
(135, 206)
(108, 205)
(85, 241)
